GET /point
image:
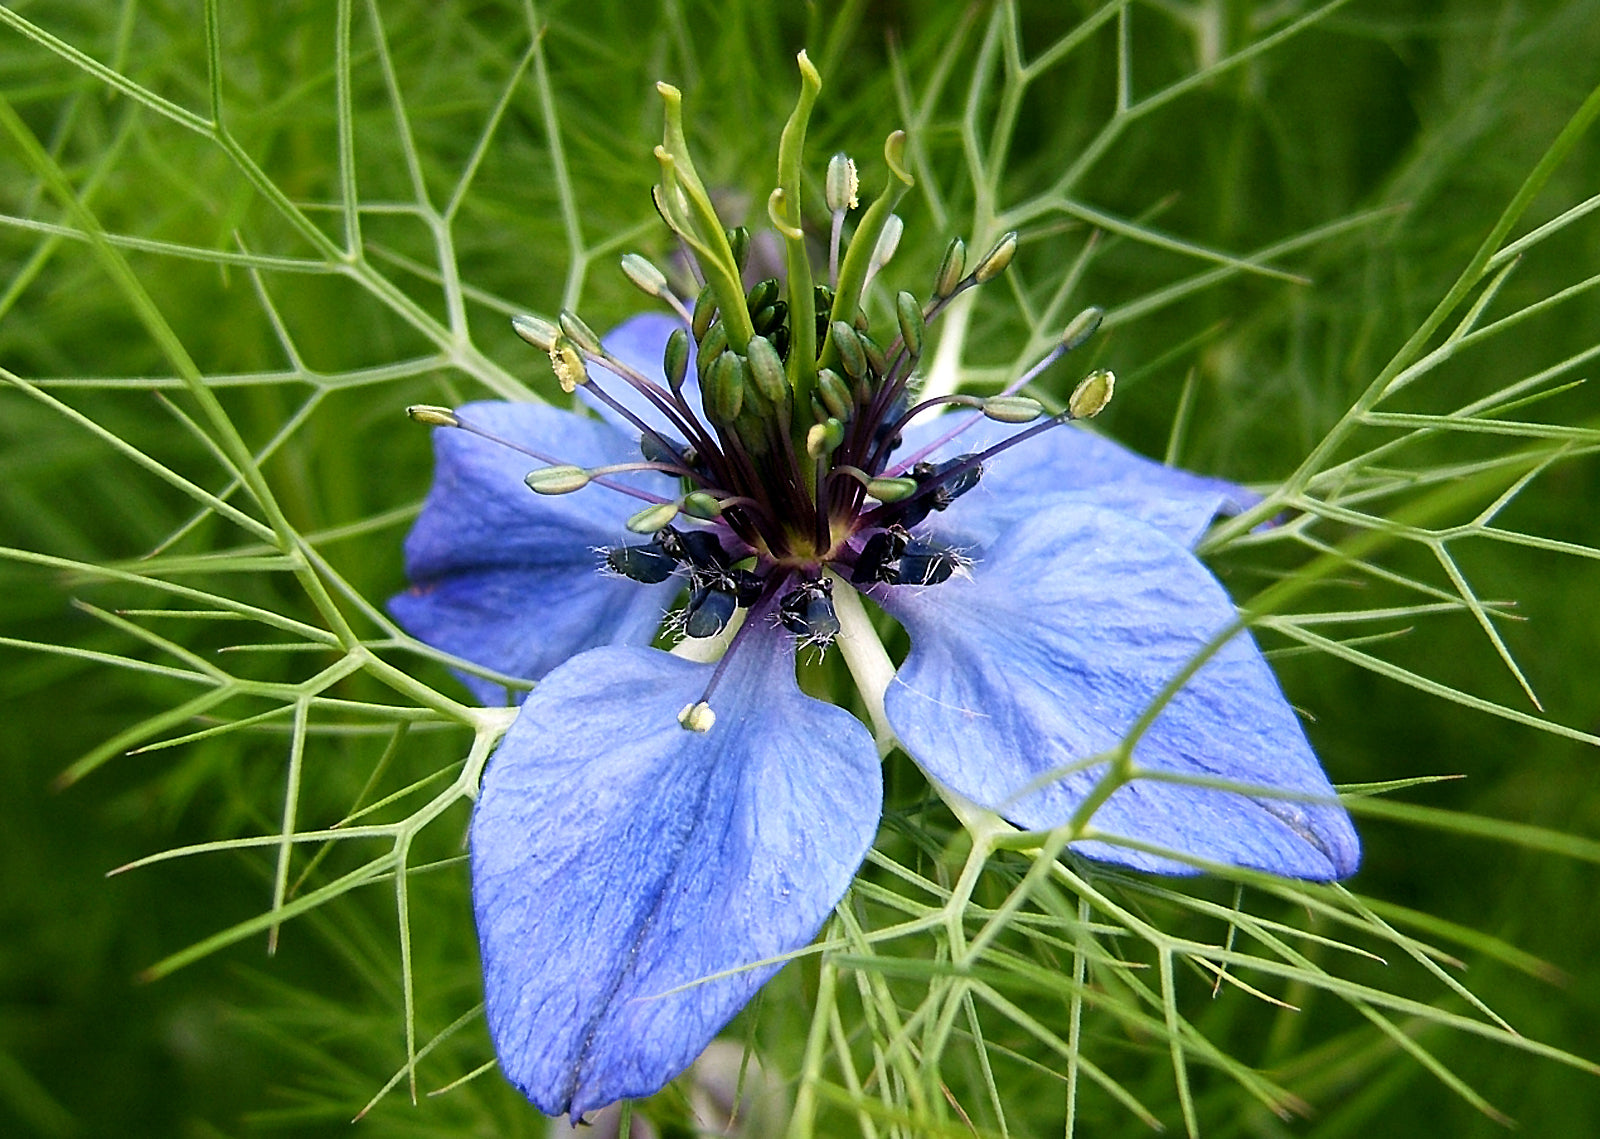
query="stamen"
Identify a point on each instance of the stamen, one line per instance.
(441, 417)
(668, 403)
(563, 478)
(652, 282)
(697, 717)
(894, 227)
(807, 612)
(839, 190)
(1096, 389)
(1078, 331)
(700, 713)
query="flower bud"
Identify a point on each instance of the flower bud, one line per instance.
(705, 311)
(951, 268)
(761, 294)
(877, 362)
(675, 359)
(560, 479)
(851, 357)
(540, 333)
(649, 280)
(1081, 327)
(1012, 409)
(739, 245)
(835, 395)
(766, 370)
(892, 490)
(912, 326)
(712, 345)
(653, 518)
(700, 504)
(432, 416)
(823, 439)
(724, 388)
(995, 261)
(1090, 397)
(888, 242)
(768, 321)
(578, 332)
(840, 187)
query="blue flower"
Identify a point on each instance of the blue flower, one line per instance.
(634, 881)
(654, 833)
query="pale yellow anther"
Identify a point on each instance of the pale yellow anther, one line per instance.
(697, 717)
(1091, 396)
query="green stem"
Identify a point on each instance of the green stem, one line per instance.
(802, 369)
(699, 225)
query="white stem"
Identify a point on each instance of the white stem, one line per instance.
(866, 658)
(709, 650)
(944, 374)
(873, 671)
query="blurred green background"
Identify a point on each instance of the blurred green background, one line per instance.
(1430, 113)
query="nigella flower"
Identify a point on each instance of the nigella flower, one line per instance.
(655, 832)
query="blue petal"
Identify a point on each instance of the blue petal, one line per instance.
(1069, 627)
(509, 579)
(640, 342)
(618, 860)
(1074, 460)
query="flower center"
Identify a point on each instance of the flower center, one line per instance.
(786, 467)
